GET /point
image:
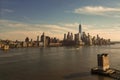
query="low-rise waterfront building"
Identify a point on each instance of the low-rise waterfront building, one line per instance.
(103, 62)
(5, 47)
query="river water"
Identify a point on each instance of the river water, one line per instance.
(55, 63)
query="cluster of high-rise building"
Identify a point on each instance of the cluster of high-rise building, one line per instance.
(81, 38)
(70, 39)
(41, 41)
(89, 40)
(49, 41)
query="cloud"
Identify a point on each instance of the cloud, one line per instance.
(20, 35)
(71, 25)
(26, 18)
(107, 34)
(5, 11)
(106, 31)
(98, 10)
(18, 30)
(10, 28)
(42, 27)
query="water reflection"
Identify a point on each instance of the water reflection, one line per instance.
(75, 75)
(55, 63)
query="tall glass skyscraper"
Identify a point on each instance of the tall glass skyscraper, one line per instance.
(80, 29)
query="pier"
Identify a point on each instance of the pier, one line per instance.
(104, 68)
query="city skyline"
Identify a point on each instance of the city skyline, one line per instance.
(23, 18)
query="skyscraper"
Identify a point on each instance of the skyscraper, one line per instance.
(103, 61)
(37, 38)
(80, 29)
(80, 32)
(65, 37)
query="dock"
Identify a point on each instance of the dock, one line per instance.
(104, 68)
(113, 73)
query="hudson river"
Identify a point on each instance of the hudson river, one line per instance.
(55, 63)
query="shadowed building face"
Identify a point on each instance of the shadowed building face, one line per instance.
(103, 61)
(80, 29)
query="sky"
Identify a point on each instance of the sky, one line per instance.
(29, 18)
